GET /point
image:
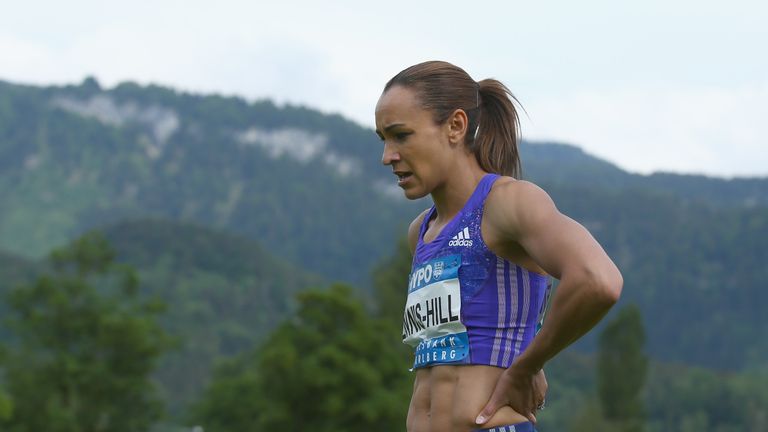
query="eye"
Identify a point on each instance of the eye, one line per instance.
(401, 136)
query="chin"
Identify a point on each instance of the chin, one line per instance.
(414, 194)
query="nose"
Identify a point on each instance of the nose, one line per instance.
(390, 154)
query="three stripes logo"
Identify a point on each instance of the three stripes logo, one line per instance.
(461, 239)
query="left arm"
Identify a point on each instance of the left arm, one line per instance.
(589, 284)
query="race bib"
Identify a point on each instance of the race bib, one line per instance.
(432, 319)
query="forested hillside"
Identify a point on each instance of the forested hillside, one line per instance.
(557, 163)
(14, 270)
(228, 207)
(696, 270)
(223, 293)
(295, 180)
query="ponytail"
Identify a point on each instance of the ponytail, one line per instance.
(496, 142)
(493, 127)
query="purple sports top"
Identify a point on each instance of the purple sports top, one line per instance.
(465, 304)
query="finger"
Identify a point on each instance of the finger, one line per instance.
(488, 411)
(532, 411)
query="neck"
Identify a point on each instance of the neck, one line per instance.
(453, 194)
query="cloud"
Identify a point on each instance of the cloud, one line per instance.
(684, 96)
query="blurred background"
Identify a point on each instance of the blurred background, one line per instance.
(196, 232)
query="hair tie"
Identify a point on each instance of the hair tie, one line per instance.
(477, 107)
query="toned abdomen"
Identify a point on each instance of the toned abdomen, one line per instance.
(449, 398)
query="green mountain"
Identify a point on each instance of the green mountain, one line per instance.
(78, 157)
(563, 164)
(224, 293)
(696, 270)
(14, 270)
(310, 188)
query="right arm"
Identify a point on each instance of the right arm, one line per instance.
(413, 231)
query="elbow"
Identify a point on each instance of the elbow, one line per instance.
(599, 285)
(603, 285)
(609, 285)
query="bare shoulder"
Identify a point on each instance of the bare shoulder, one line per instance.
(523, 213)
(413, 230)
(513, 204)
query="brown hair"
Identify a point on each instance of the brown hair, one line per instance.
(493, 128)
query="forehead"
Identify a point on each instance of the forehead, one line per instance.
(399, 105)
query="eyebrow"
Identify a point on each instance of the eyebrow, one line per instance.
(389, 128)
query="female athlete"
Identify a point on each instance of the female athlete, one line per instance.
(483, 255)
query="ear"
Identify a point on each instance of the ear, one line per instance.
(457, 124)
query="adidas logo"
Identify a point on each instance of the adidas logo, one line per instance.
(461, 239)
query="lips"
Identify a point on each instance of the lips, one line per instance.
(402, 176)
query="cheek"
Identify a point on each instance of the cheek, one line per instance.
(425, 157)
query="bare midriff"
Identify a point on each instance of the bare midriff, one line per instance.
(449, 398)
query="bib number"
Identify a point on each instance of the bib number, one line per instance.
(432, 320)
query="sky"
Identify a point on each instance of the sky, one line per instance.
(675, 86)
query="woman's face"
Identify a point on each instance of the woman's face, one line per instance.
(415, 147)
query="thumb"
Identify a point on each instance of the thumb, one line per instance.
(490, 409)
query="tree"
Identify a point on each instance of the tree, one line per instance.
(331, 368)
(622, 368)
(390, 280)
(6, 406)
(84, 346)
